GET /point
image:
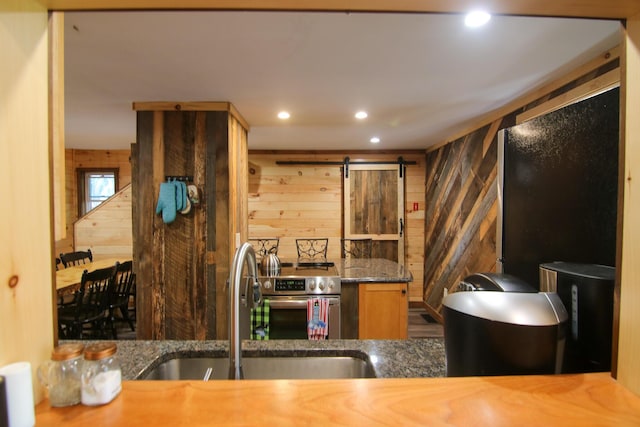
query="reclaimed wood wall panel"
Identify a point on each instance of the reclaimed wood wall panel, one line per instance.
(289, 201)
(180, 296)
(460, 201)
(185, 274)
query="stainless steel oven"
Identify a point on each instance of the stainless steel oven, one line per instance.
(288, 317)
(288, 295)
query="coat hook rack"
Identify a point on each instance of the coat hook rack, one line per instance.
(185, 178)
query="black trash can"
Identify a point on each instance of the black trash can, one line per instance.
(503, 333)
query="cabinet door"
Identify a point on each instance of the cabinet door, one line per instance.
(383, 311)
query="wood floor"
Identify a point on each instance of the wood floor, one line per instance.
(421, 325)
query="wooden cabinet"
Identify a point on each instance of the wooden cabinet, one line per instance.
(383, 310)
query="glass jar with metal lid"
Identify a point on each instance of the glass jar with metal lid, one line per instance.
(101, 374)
(60, 376)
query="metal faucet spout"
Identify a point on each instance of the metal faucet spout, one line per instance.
(244, 254)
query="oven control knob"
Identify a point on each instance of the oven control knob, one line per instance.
(312, 285)
(266, 284)
(321, 286)
(331, 284)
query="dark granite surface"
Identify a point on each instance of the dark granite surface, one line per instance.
(376, 270)
(390, 358)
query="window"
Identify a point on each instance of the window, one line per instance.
(94, 187)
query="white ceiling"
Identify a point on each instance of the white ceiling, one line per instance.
(419, 76)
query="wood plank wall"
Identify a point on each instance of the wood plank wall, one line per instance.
(290, 201)
(107, 229)
(461, 199)
(75, 159)
(461, 212)
(182, 266)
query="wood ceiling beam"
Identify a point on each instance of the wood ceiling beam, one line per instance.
(611, 9)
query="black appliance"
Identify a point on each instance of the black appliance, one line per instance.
(559, 187)
(503, 333)
(586, 290)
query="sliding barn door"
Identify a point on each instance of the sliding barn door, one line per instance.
(374, 208)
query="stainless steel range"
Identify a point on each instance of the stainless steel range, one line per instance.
(303, 278)
(289, 293)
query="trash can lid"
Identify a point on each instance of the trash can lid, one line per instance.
(527, 309)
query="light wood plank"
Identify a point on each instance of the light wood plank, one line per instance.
(577, 8)
(628, 294)
(26, 264)
(554, 400)
(56, 122)
(598, 85)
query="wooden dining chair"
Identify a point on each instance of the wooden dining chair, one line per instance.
(86, 316)
(312, 248)
(356, 248)
(119, 294)
(76, 258)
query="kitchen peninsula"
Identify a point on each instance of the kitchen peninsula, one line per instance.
(374, 298)
(410, 388)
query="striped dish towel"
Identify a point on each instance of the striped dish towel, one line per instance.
(317, 318)
(260, 321)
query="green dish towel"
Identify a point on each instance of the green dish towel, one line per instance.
(260, 322)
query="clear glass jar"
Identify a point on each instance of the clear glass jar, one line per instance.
(101, 374)
(60, 376)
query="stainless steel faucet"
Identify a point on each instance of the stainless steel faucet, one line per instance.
(244, 254)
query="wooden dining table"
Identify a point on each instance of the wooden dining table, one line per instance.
(68, 279)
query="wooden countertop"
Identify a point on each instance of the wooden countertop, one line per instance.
(553, 400)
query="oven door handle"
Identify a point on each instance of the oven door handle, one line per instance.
(289, 304)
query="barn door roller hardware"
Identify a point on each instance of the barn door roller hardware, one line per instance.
(346, 162)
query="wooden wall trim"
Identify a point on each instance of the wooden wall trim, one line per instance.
(192, 106)
(576, 8)
(598, 85)
(627, 294)
(56, 122)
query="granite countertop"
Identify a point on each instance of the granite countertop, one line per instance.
(411, 358)
(372, 270)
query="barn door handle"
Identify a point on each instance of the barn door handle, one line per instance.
(401, 227)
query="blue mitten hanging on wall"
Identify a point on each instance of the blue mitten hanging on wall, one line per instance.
(178, 195)
(181, 195)
(167, 202)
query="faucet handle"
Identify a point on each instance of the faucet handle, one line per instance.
(257, 293)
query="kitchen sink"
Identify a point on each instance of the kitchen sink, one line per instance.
(264, 367)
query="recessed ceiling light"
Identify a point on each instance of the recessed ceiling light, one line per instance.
(374, 140)
(361, 115)
(283, 115)
(476, 18)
